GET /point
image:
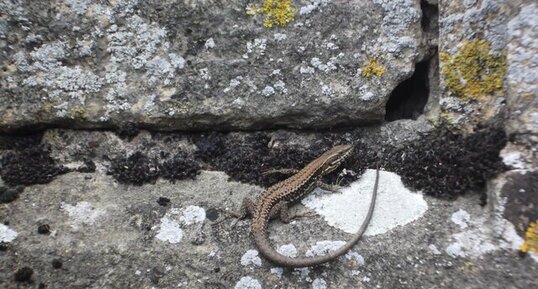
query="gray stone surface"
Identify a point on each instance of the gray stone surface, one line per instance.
(200, 65)
(112, 235)
(115, 236)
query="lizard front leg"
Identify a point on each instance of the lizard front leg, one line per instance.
(327, 187)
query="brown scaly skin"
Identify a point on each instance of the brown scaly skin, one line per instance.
(274, 201)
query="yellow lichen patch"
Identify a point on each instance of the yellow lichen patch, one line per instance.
(372, 67)
(474, 72)
(531, 239)
(277, 12)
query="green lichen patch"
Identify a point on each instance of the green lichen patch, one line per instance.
(475, 72)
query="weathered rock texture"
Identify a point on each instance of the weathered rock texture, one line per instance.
(203, 64)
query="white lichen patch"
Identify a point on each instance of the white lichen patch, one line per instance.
(79, 6)
(278, 271)
(192, 215)
(395, 205)
(522, 36)
(7, 234)
(280, 36)
(323, 247)
(280, 86)
(209, 43)
(268, 91)
(481, 237)
(169, 231)
(325, 67)
(307, 70)
(288, 250)
(355, 257)
(434, 250)
(461, 218)
(251, 257)
(313, 6)
(83, 213)
(319, 283)
(248, 282)
(513, 159)
(258, 46)
(176, 219)
(233, 83)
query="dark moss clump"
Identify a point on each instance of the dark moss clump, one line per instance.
(32, 165)
(445, 164)
(209, 146)
(24, 274)
(247, 160)
(179, 167)
(136, 169)
(8, 195)
(139, 169)
(128, 131)
(19, 141)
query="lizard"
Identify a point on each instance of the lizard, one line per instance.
(274, 202)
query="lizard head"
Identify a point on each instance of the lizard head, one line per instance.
(334, 157)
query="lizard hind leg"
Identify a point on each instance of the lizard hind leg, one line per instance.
(281, 211)
(247, 209)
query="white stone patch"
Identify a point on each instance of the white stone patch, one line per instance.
(319, 283)
(481, 237)
(192, 215)
(7, 234)
(251, 257)
(169, 231)
(288, 250)
(461, 218)
(248, 282)
(323, 247)
(82, 213)
(209, 43)
(395, 204)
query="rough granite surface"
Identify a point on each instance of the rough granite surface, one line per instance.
(202, 64)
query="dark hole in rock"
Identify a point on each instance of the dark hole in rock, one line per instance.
(429, 20)
(43, 229)
(408, 99)
(163, 201)
(56, 263)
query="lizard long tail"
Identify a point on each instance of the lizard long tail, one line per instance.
(265, 247)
